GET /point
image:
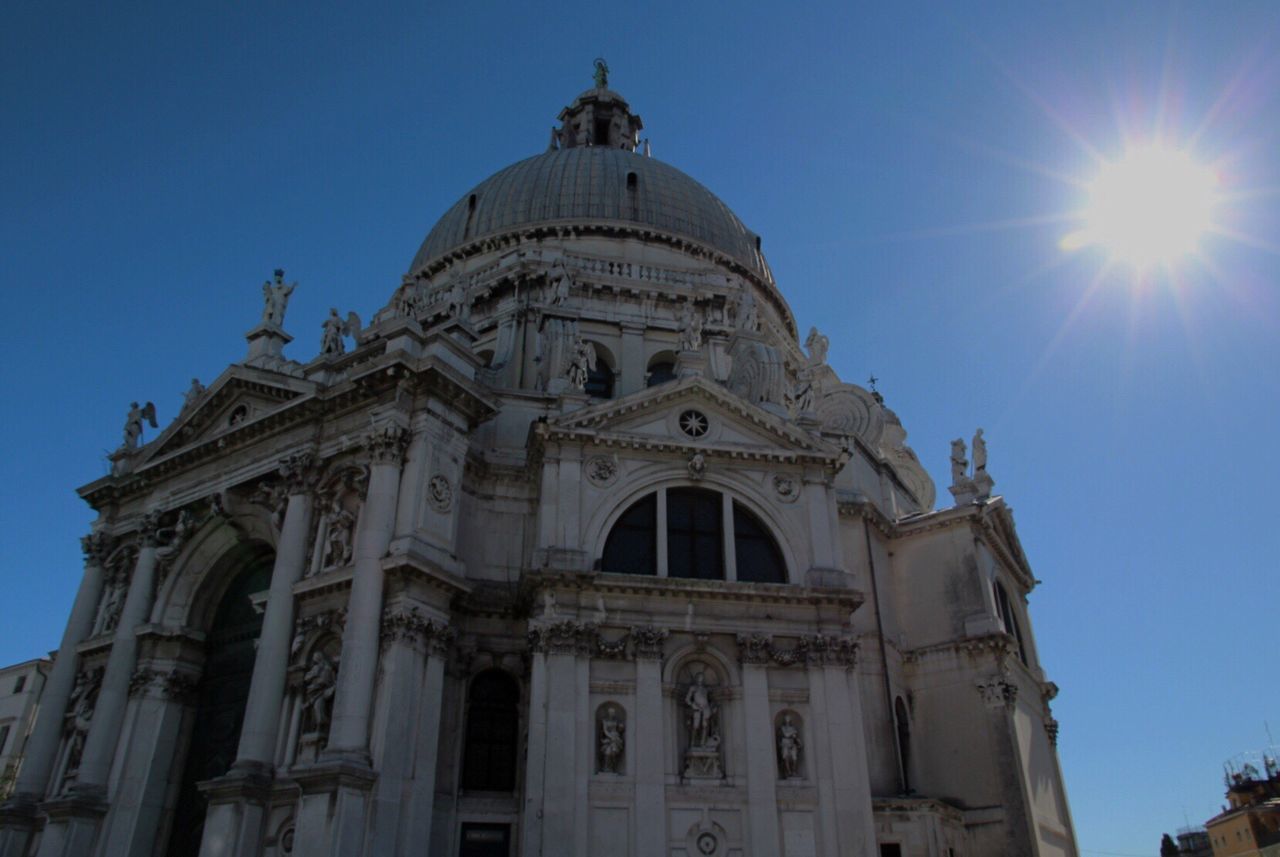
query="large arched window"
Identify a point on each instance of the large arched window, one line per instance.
(489, 758)
(693, 533)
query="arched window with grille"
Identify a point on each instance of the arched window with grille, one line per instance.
(489, 757)
(693, 533)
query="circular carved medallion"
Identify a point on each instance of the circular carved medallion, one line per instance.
(602, 470)
(786, 487)
(440, 493)
(707, 843)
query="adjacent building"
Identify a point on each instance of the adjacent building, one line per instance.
(1249, 825)
(20, 687)
(579, 547)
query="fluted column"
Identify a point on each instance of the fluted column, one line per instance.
(270, 665)
(108, 713)
(42, 747)
(353, 696)
(650, 749)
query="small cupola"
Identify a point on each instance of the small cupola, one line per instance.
(598, 117)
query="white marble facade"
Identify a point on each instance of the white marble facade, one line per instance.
(573, 550)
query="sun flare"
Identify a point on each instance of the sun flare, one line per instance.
(1150, 207)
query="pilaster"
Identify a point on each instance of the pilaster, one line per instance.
(650, 751)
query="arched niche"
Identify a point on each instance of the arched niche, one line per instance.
(201, 572)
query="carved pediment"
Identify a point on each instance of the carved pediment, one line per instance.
(693, 413)
(237, 400)
(998, 526)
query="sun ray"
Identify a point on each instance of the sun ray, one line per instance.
(1244, 239)
(984, 226)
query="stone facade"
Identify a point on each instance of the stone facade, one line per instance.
(20, 688)
(574, 549)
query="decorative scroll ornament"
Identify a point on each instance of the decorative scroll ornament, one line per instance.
(440, 493)
(387, 443)
(998, 691)
(829, 650)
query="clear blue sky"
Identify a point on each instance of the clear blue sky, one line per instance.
(902, 163)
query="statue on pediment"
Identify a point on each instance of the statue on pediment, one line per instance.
(275, 295)
(133, 423)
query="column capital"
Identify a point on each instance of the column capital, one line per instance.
(165, 684)
(830, 650)
(564, 638)
(299, 472)
(96, 547)
(409, 625)
(149, 528)
(755, 649)
(387, 443)
(648, 641)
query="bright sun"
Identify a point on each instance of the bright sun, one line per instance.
(1150, 207)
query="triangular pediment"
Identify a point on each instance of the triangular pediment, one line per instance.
(239, 397)
(1000, 529)
(652, 416)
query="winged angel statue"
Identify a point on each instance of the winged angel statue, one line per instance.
(335, 328)
(133, 423)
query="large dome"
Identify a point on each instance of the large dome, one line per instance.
(594, 185)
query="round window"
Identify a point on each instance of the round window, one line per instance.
(694, 423)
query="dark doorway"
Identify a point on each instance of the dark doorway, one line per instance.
(223, 691)
(486, 840)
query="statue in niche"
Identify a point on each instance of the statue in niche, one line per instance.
(612, 740)
(789, 747)
(317, 692)
(802, 394)
(582, 364)
(79, 714)
(560, 281)
(276, 297)
(817, 344)
(112, 604)
(133, 423)
(979, 453)
(340, 538)
(701, 712)
(690, 328)
(959, 464)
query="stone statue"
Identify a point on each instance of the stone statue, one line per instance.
(193, 394)
(335, 328)
(405, 301)
(802, 393)
(458, 307)
(601, 76)
(789, 746)
(582, 364)
(817, 345)
(979, 453)
(690, 328)
(79, 715)
(612, 741)
(697, 466)
(317, 691)
(340, 536)
(560, 281)
(701, 713)
(959, 464)
(746, 315)
(133, 423)
(276, 298)
(109, 612)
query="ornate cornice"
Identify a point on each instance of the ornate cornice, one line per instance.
(811, 651)
(999, 644)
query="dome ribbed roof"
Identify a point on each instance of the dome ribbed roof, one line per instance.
(589, 184)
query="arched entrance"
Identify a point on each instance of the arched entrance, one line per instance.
(224, 689)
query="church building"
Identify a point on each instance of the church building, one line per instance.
(578, 548)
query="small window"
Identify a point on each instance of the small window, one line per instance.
(601, 137)
(631, 182)
(489, 758)
(890, 849)
(1009, 619)
(632, 544)
(694, 537)
(20, 684)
